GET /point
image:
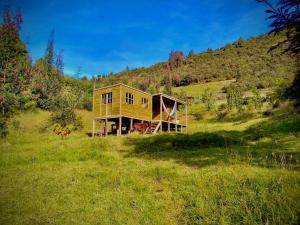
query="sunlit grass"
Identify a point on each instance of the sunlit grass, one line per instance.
(199, 89)
(219, 173)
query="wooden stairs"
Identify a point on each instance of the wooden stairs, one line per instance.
(154, 127)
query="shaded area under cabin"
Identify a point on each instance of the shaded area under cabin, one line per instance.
(120, 109)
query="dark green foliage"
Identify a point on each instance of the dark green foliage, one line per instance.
(294, 90)
(286, 18)
(14, 67)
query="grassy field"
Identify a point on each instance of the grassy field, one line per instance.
(198, 89)
(221, 174)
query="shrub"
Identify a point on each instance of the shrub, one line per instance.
(234, 97)
(221, 115)
(208, 99)
(64, 114)
(222, 107)
(198, 116)
(61, 131)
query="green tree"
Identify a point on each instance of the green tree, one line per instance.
(14, 65)
(286, 17)
(234, 98)
(64, 113)
(208, 99)
(47, 79)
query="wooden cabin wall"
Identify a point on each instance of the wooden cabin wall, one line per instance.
(99, 108)
(136, 109)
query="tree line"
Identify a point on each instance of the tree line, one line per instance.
(26, 85)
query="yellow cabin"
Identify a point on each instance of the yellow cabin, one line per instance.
(123, 109)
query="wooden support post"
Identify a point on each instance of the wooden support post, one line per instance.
(186, 119)
(169, 125)
(131, 125)
(161, 117)
(120, 127)
(105, 127)
(93, 128)
(176, 117)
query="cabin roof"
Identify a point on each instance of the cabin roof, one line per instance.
(157, 94)
(120, 84)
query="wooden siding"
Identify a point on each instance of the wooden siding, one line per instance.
(119, 106)
(136, 110)
(100, 109)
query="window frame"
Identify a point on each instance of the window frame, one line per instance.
(145, 102)
(107, 98)
(129, 98)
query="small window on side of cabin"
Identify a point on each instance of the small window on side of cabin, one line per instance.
(129, 98)
(145, 102)
(103, 98)
(107, 98)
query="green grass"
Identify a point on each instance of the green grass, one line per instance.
(198, 89)
(219, 173)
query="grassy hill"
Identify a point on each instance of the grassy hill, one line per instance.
(219, 173)
(248, 61)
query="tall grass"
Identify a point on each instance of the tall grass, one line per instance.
(248, 175)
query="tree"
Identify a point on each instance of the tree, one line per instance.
(286, 17)
(15, 65)
(234, 97)
(49, 54)
(47, 82)
(64, 113)
(208, 99)
(176, 58)
(59, 64)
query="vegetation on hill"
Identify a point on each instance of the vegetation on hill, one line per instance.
(246, 60)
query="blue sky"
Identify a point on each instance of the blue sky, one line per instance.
(106, 36)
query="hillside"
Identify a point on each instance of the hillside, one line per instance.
(248, 61)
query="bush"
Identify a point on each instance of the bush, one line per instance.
(61, 131)
(222, 107)
(221, 115)
(198, 116)
(234, 97)
(64, 114)
(208, 99)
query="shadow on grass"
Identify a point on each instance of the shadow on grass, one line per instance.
(269, 144)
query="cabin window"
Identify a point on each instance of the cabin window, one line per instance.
(107, 98)
(129, 98)
(145, 102)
